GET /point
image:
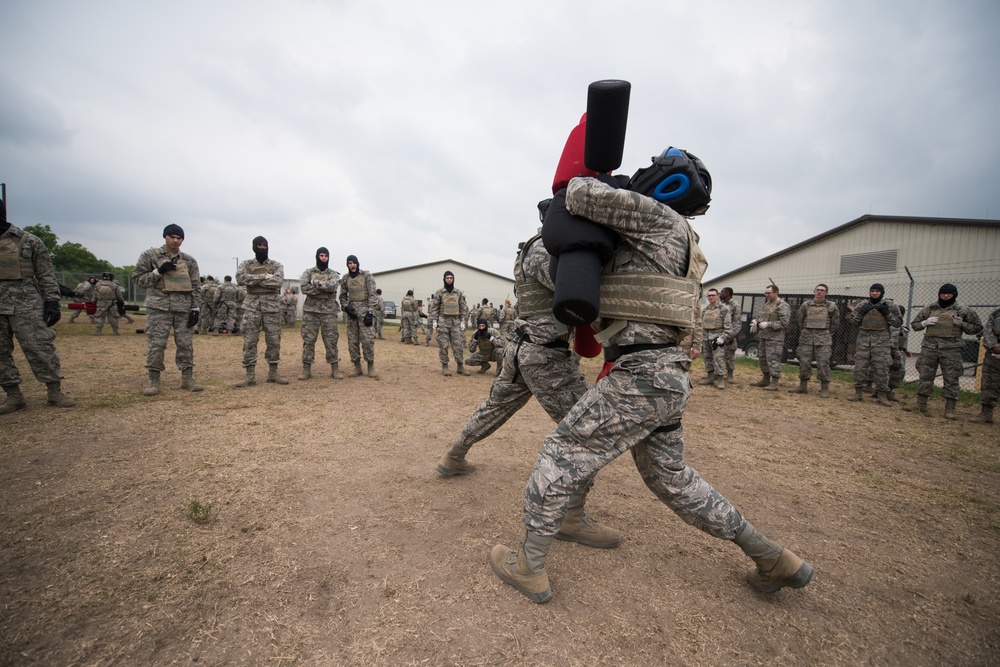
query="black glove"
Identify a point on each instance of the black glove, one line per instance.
(351, 311)
(167, 267)
(51, 313)
(121, 308)
(864, 308)
(192, 318)
(369, 319)
(423, 315)
(883, 308)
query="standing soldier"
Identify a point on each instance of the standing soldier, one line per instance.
(206, 319)
(379, 315)
(319, 314)
(430, 323)
(407, 325)
(29, 307)
(943, 324)
(485, 312)
(110, 299)
(874, 318)
(121, 307)
(715, 322)
(262, 278)
(288, 304)
(772, 324)
(173, 297)
(818, 321)
(486, 345)
(359, 302)
(897, 368)
(990, 385)
(227, 298)
(507, 317)
(450, 311)
(736, 315)
(85, 288)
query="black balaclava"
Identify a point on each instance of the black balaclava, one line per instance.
(482, 320)
(322, 266)
(881, 293)
(4, 225)
(448, 287)
(409, 292)
(261, 255)
(357, 265)
(947, 288)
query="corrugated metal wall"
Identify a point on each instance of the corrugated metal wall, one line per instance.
(427, 279)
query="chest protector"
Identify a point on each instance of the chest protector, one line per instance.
(874, 321)
(508, 314)
(533, 298)
(656, 298)
(711, 319)
(486, 313)
(409, 304)
(451, 305)
(229, 292)
(817, 316)
(175, 281)
(12, 265)
(105, 291)
(318, 277)
(208, 294)
(356, 289)
(260, 270)
(770, 312)
(945, 327)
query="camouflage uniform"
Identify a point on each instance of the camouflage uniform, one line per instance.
(407, 325)
(874, 344)
(942, 346)
(990, 385)
(379, 316)
(227, 298)
(170, 298)
(818, 322)
(778, 315)
(736, 317)
(27, 281)
(485, 349)
(897, 368)
(289, 303)
(450, 311)
(716, 322)
(107, 294)
(261, 309)
(507, 317)
(85, 290)
(320, 313)
(206, 321)
(359, 291)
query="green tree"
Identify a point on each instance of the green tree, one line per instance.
(74, 257)
(45, 233)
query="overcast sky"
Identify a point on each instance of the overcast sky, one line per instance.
(407, 132)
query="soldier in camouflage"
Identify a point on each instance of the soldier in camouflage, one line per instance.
(507, 318)
(206, 319)
(379, 315)
(874, 318)
(227, 298)
(289, 302)
(772, 323)
(110, 299)
(449, 312)
(430, 324)
(320, 314)
(639, 405)
(943, 324)
(486, 345)
(407, 317)
(262, 278)
(359, 300)
(485, 311)
(736, 317)
(29, 307)
(990, 385)
(173, 300)
(818, 322)
(85, 288)
(716, 321)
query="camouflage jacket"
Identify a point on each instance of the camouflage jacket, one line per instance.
(147, 277)
(371, 305)
(543, 328)
(28, 294)
(435, 308)
(315, 283)
(272, 279)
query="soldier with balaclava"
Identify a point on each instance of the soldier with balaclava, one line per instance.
(320, 314)
(359, 300)
(486, 345)
(873, 347)
(449, 312)
(262, 277)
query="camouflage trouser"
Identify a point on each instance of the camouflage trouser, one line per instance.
(313, 325)
(158, 325)
(770, 355)
(897, 371)
(206, 318)
(990, 386)
(288, 316)
(872, 350)
(225, 313)
(76, 314)
(506, 329)
(478, 358)
(637, 408)
(106, 310)
(430, 334)
(816, 345)
(360, 339)
(943, 352)
(408, 328)
(715, 360)
(253, 322)
(730, 354)
(36, 341)
(552, 376)
(451, 332)
(379, 321)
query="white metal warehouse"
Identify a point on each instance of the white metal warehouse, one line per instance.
(425, 279)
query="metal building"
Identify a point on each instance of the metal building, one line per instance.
(425, 279)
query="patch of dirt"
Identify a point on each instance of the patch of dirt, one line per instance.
(333, 541)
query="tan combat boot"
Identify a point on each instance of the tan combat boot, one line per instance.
(882, 400)
(187, 381)
(357, 370)
(949, 409)
(15, 399)
(803, 387)
(272, 375)
(485, 367)
(449, 466)
(461, 370)
(707, 380)
(824, 389)
(729, 378)
(890, 396)
(774, 384)
(858, 396)
(335, 371)
(577, 526)
(444, 370)
(154, 384)
(985, 415)
(921, 405)
(250, 379)
(524, 569)
(777, 567)
(719, 382)
(765, 380)
(371, 370)
(56, 398)
(306, 372)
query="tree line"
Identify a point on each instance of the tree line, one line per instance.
(74, 257)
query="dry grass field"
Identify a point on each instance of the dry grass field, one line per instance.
(305, 525)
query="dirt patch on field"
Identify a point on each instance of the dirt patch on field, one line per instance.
(331, 540)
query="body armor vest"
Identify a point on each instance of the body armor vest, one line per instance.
(770, 312)
(318, 277)
(817, 316)
(874, 321)
(451, 304)
(356, 288)
(945, 327)
(175, 281)
(711, 318)
(409, 304)
(260, 270)
(533, 298)
(12, 265)
(106, 291)
(208, 294)
(229, 292)
(486, 313)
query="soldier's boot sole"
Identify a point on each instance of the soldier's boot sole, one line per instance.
(789, 571)
(512, 569)
(449, 466)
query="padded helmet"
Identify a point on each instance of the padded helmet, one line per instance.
(678, 179)
(107, 275)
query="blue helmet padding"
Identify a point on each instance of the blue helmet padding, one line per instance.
(676, 152)
(671, 187)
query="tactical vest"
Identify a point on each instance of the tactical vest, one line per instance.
(260, 270)
(656, 298)
(357, 290)
(817, 316)
(874, 321)
(770, 312)
(12, 265)
(451, 305)
(229, 292)
(533, 298)
(106, 291)
(945, 327)
(712, 319)
(318, 277)
(508, 314)
(208, 293)
(409, 304)
(486, 313)
(174, 281)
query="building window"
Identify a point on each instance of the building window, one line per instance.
(869, 262)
